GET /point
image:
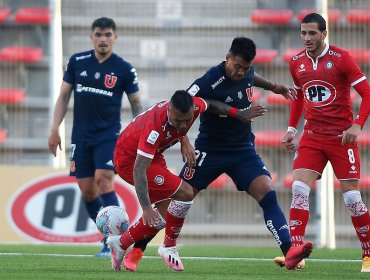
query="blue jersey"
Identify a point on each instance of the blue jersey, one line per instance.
(218, 132)
(98, 92)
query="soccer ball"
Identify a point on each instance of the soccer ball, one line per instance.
(112, 220)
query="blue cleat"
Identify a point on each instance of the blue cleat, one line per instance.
(105, 252)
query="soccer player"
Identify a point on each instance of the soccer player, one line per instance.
(322, 75)
(139, 161)
(226, 145)
(98, 79)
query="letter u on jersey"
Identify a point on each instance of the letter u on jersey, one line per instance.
(110, 81)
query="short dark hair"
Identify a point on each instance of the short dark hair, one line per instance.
(313, 17)
(243, 47)
(182, 101)
(103, 22)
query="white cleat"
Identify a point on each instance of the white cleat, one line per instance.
(171, 257)
(117, 253)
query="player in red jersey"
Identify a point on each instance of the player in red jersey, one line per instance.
(322, 75)
(138, 160)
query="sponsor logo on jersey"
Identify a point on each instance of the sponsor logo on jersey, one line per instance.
(363, 229)
(319, 93)
(219, 81)
(83, 57)
(228, 99)
(193, 90)
(83, 74)
(153, 137)
(159, 180)
(302, 68)
(329, 65)
(353, 170)
(110, 81)
(81, 88)
(133, 71)
(299, 56)
(334, 53)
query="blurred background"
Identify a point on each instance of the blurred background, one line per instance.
(170, 43)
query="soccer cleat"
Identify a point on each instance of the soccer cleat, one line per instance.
(297, 254)
(365, 264)
(132, 259)
(117, 253)
(280, 261)
(105, 252)
(171, 257)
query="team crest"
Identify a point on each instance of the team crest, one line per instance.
(97, 75)
(159, 180)
(329, 65)
(110, 81)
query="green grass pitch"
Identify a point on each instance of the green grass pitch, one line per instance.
(204, 262)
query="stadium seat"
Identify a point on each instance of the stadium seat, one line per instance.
(11, 95)
(256, 97)
(276, 99)
(359, 16)
(4, 13)
(21, 54)
(221, 181)
(274, 178)
(3, 135)
(360, 55)
(333, 14)
(265, 56)
(33, 15)
(289, 53)
(364, 138)
(271, 16)
(268, 138)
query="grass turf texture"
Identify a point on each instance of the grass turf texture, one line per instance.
(32, 263)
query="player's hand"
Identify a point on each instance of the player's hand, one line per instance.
(188, 152)
(288, 92)
(150, 216)
(287, 141)
(54, 142)
(350, 136)
(247, 115)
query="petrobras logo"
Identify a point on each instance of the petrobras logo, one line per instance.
(81, 88)
(50, 209)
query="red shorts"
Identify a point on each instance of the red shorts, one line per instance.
(315, 151)
(162, 183)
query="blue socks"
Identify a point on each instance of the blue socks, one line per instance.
(93, 207)
(275, 221)
(109, 198)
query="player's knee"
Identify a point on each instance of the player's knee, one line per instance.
(185, 192)
(104, 181)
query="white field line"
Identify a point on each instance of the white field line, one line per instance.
(185, 258)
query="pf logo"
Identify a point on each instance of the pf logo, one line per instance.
(50, 209)
(319, 93)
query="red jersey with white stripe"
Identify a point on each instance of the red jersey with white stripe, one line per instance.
(325, 82)
(151, 132)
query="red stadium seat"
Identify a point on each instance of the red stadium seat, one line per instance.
(274, 178)
(21, 54)
(256, 95)
(4, 13)
(289, 53)
(3, 135)
(359, 16)
(360, 55)
(221, 181)
(364, 138)
(265, 56)
(11, 95)
(33, 15)
(269, 138)
(272, 16)
(276, 99)
(333, 14)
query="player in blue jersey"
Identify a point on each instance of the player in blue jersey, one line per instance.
(226, 145)
(98, 78)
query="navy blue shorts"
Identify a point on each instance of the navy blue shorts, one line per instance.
(242, 166)
(85, 158)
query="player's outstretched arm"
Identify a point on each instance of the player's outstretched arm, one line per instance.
(188, 151)
(244, 115)
(288, 92)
